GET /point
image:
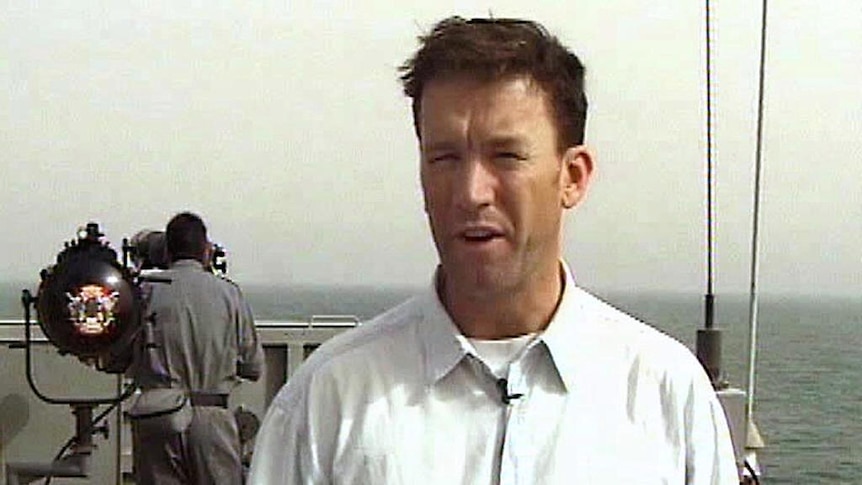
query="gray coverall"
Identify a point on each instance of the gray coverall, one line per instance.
(205, 341)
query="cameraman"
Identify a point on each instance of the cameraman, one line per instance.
(203, 340)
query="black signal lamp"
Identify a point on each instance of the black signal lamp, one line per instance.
(87, 303)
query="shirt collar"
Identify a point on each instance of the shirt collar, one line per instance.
(444, 346)
(571, 337)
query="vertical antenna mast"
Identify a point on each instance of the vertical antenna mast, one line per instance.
(708, 347)
(755, 230)
(710, 244)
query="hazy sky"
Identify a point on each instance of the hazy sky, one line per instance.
(285, 127)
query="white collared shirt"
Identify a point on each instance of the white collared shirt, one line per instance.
(404, 400)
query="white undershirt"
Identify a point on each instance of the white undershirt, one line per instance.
(500, 353)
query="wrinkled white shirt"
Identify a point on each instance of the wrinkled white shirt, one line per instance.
(404, 400)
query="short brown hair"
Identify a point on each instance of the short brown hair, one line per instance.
(186, 237)
(491, 49)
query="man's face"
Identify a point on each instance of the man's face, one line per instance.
(494, 182)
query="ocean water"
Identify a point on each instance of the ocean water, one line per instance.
(808, 393)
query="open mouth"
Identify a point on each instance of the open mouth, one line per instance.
(480, 235)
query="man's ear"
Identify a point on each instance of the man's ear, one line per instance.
(577, 170)
(208, 254)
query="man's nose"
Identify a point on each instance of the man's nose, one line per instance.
(476, 184)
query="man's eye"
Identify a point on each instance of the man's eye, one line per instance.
(509, 157)
(443, 157)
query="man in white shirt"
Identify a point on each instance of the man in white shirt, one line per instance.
(503, 371)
